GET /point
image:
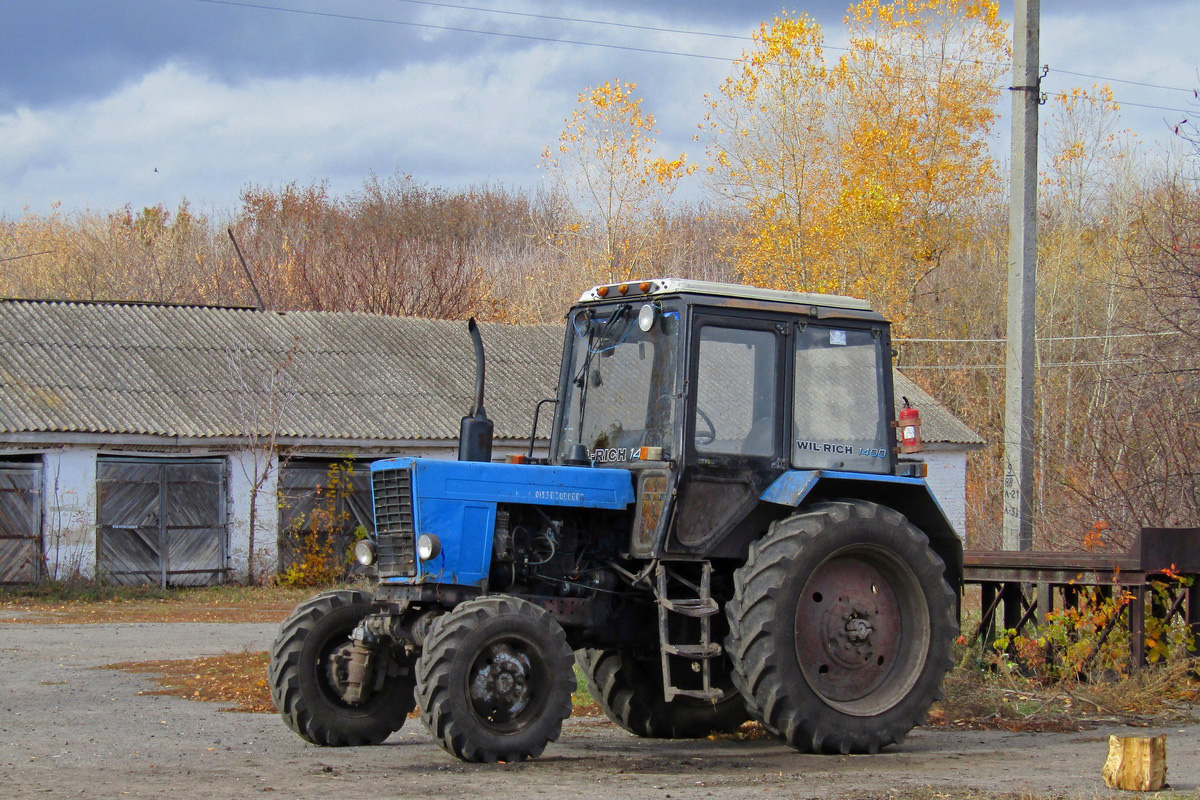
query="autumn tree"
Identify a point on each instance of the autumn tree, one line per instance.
(394, 247)
(1113, 436)
(612, 187)
(1087, 203)
(154, 254)
(854, 172)
(1148, 445)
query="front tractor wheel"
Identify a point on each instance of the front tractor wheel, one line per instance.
(308, 675)
(494, 680)
(841, 628)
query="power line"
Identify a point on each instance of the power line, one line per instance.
(25, 255)
(527, 37)
(736, 37)
(1122, 80)
(1048, 338)
(531, 37)
(1154, 108)
(579, 20)
(655, 51)
(630, 48)
(1121, 102)
(1044, 365)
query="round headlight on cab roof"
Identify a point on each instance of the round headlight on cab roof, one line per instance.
(646, 317)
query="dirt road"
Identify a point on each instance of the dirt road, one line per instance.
(68, 730)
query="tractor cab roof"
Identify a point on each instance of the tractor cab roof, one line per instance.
(728, 294)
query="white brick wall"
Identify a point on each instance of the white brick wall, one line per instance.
(246, 466)
(948, 480)
(69, 512)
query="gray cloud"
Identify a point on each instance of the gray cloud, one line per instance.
(97, 95)
(56, 50)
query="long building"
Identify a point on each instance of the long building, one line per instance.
(155, 443)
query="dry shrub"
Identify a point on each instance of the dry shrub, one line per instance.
(318, 544)
(1008, 700)
(1074, 669)
(1087, 640)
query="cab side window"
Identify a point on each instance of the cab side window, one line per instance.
(838, 413)
(736, 391)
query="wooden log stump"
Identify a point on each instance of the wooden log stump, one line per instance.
(1136, 764)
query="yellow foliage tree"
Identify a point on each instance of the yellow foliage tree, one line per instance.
(852, 173)
(612, 186)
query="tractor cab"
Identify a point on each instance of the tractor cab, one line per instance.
(709, 392)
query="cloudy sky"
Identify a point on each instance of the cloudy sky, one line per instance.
(109, 102)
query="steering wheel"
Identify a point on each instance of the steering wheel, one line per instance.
(709, 436)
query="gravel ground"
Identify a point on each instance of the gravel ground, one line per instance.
(68, 730)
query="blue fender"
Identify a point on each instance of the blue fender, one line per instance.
(910, 496)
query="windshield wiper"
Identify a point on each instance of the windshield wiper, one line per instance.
(581, 379)
(581, 376)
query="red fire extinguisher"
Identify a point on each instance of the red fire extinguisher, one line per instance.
(910, 429)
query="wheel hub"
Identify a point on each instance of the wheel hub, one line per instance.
(857, 630)
(499, 687)
(337, 668)
(848, 626)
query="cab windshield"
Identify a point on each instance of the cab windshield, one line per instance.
(621, 382)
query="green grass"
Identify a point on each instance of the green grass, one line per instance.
(582, 698)
(53, 592)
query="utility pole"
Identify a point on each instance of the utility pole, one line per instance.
(1022, 280)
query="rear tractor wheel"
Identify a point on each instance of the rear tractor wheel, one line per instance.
(841, 628)
(629, 689)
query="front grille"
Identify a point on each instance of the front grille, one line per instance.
(394, 529)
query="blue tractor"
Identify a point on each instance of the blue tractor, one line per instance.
(722, 529)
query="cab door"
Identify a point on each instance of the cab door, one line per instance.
(735, 432)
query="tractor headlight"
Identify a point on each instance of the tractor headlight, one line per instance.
(428, 547)
(646, 317)
(365, 552)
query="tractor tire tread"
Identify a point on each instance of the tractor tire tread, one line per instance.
(806, 723)
(438, 692)
(313, 717)
(629, 692)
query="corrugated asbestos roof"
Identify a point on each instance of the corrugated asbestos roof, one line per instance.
(206, 372)
(211, 372)
(938, 425)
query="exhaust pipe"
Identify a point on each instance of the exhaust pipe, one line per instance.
(475, 431)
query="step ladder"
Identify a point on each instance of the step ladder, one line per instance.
(685, 609)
